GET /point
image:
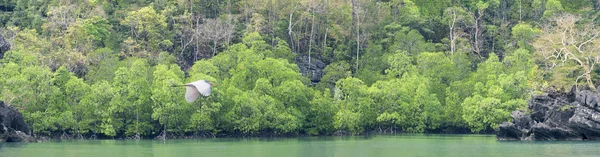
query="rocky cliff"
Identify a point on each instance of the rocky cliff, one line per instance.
(313, 70)
(573, 115)
(12, 126)
(4, 46)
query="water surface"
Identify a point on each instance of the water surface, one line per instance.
(376, 146)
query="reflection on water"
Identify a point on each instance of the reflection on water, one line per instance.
(373, 145)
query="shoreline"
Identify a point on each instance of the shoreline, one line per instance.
(40, 139)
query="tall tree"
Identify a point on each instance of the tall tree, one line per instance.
(169, 109)
(457, 19)
(148, 28)
(213, 32)
(75, 90)
(569, 42)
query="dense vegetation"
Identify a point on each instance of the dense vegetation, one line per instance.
(87, 68)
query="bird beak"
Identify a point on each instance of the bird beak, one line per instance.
(213, 84)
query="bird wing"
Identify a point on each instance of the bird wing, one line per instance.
(203, 87)
(191, 93)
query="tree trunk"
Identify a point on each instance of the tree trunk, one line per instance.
(217, 9)
(137, 123)
(228, 21)
(452, 37)
(588, 77)
(165, 129)
(357, 41)
(325, 39)
(520, 10)
(476, 45)
(325, 7)
(312, 27)
(202, 112)
(290, 30)
(357, 27)
(214, 48)
(270, 23)
(76, 121)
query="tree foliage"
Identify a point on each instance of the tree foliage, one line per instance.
(106, 69)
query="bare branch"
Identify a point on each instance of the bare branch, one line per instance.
(579, 43)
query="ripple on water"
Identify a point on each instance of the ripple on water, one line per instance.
(360, 146)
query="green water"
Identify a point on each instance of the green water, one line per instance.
(376, 146)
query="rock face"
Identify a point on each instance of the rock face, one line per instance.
(556, 116)
(4, 46)
(12, 125)
(314, 70)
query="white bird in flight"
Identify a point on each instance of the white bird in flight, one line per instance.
(194, 89)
